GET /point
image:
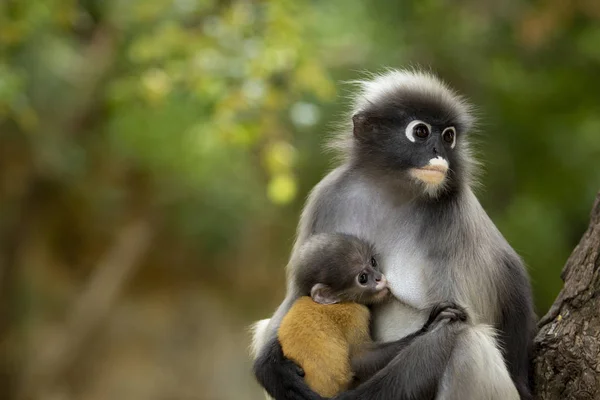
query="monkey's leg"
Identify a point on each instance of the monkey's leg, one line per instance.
(477, 369)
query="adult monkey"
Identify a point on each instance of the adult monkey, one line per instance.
(405, 186)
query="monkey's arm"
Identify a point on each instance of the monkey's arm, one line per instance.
(280, 377)
(415, 372)
(373, 357)
(517, 324)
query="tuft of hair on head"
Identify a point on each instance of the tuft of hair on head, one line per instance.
(391, 84)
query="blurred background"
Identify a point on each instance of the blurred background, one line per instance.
(155, 155)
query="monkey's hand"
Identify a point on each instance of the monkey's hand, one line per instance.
(444, 313)
(282, 378)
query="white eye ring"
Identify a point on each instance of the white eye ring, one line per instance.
(453, 139)
(409, 129)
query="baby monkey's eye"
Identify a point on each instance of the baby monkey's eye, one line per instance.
(373, 262)
(363, 278)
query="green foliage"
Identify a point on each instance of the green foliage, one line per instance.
(190, 92)
(221, 106)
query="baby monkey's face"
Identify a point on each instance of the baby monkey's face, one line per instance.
(370, 285)
(361, 283)
(345, 269)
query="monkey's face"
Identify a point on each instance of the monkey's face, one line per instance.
(370, 285)
(364, 283)
(413, 138)
(344, 268)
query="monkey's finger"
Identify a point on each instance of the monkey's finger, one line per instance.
(457, 313)
(298, 370)
(446, 310)
(437, 310)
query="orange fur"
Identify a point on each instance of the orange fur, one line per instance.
(321, 339)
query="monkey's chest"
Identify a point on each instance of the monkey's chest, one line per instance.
(393, 229)
(405, 268)
(395, 320)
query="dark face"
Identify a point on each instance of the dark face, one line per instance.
(412, 137)
(350, 273)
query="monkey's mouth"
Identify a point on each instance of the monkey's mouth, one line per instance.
(381, 289)
(382, 284)
(432, 174)
(381, 294)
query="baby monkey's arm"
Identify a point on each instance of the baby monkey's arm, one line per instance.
(372, 357)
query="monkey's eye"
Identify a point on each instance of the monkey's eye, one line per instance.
(449, 135)
(421, 131)
(363, 278)
(373, 262)
(417, 128)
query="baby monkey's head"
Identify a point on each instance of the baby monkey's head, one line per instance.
(336, 267)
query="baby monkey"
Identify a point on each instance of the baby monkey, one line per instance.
(323, 332)
(327, 333)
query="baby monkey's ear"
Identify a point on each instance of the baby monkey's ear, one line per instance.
(323, 294)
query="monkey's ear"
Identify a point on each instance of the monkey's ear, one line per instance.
(323, 294)
(363, 124)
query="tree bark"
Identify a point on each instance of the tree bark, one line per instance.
(567, 346)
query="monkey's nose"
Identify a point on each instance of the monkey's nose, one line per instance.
(435, 151)
(381, 283)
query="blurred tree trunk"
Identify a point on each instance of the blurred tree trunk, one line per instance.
(567, 346)
(90, 310)
(13, 229)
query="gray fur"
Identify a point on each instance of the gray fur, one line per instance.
(327, 267)
(433, 246)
